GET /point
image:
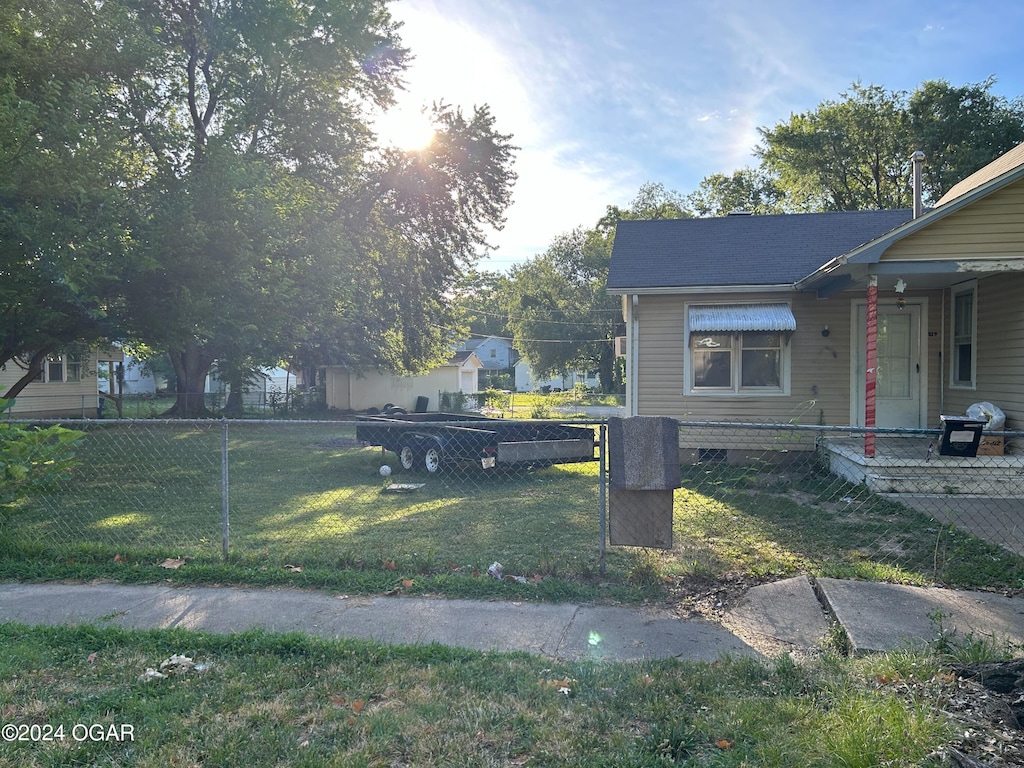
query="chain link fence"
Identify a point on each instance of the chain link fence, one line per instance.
(427, 494)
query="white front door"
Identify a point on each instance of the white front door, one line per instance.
(900, 373)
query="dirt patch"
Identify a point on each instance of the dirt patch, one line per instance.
(711, 598)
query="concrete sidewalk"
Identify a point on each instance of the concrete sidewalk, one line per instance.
(786, 616)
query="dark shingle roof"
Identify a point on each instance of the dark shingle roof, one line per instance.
(738, 250)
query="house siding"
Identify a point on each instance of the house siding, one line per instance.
(55, 399)
(822, 370)
(350, 391)
(819, 382)
(990, 228)
(1000, 339)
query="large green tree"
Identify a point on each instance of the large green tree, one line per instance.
(855, 152)
(748, 189)
(847, 154)
(251, 119)
(960, 129)
(559, 310)
(478, 298)
(271, 226)
(560, 318)
(62, 231)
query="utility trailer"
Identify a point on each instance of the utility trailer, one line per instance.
(430, 441)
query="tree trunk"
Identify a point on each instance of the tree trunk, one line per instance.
(35, 365)
(233, 405)
(237, 384)
(191, 367)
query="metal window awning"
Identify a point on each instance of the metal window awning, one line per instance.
(742, 317)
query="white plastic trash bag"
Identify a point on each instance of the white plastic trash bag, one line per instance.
(994, 416)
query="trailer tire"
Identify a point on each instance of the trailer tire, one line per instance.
(432, 459)
(407, 457)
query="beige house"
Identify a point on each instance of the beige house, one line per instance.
(765, 318)
(67, 386)
(348, 391)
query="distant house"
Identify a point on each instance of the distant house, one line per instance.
(497, 358)
(67, 385)
(875, 318)
(527, 382)
(500, 359)
(349, 391)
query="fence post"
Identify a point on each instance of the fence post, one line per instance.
(224, 487)
(601, 497)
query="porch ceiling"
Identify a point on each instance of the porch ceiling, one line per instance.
(919, 275)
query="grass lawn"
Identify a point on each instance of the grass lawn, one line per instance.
(308, 507)
(297, 701)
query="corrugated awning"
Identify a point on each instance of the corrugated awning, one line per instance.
(742, 317)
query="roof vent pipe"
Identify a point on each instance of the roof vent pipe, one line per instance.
(918, 159)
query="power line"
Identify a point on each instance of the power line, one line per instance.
(551, 322)
(535, 341)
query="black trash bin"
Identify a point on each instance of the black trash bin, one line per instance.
(960, 436)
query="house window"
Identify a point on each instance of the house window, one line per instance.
(965, 344)
(739, 348)
(54, 368)
(60, 368)
(745, 361)
(74, 367)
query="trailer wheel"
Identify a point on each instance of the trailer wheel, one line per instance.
(432, 459)
(407, 457)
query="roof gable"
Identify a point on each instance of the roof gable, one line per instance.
(1011, 161)
(737, 251)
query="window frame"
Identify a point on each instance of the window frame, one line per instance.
(956, 340)
(736, 350)
(52, 361)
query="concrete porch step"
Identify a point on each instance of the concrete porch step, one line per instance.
(945, 481)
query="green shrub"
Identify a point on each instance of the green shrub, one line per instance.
(31, 458)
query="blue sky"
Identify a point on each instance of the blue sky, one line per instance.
(602, 96)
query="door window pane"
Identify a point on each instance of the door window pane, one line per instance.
(892, 377)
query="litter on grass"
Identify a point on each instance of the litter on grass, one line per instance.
(497, 571)
(402, 487)
(175, 664)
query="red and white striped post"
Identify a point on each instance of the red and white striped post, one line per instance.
(870, 365)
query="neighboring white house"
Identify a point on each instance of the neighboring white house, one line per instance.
(347, 391)
(261, 390)
(525, 381)
(135, 379)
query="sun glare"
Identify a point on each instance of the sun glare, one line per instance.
(405, 128)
